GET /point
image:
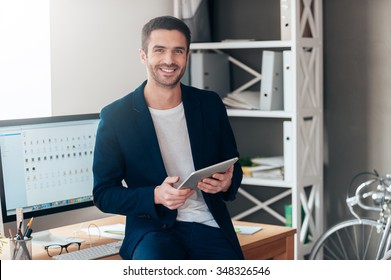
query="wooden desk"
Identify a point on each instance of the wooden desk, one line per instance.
(272, 242)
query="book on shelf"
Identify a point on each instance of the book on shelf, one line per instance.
(276, 161)
(243, 100)
(270, 174)
(271, 168)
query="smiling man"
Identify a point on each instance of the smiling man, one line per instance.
(151, 140)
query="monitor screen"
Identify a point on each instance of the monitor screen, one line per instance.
(46, 166)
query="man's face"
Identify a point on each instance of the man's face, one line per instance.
(166, 58)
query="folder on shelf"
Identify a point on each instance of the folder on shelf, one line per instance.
(288, 81)
(286, 22)
(288, 150)
(210, 71)
(272, 81)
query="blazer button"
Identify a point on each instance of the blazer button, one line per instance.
(165, 226)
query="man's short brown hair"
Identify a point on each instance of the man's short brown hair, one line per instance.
(167, 23)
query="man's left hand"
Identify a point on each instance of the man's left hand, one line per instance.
(219, 182)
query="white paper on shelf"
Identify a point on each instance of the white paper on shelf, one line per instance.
(267, 168)
(243, 100)
(262, 168)
(277, 161)
(271, 174)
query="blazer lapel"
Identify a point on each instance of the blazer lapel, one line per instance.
(194, 121)
(147, 131)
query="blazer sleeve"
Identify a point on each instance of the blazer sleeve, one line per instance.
(110, 193)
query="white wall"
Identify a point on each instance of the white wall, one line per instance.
(25, 76)
(95, 44)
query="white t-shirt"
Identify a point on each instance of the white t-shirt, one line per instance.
(173, 137)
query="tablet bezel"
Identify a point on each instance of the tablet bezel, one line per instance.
(192, 180)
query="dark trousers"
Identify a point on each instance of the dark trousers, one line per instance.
(185, 241)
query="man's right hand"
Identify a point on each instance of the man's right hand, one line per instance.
(170, 197)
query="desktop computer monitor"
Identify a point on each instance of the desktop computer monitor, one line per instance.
(46, 170)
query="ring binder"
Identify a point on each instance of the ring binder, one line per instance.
(286, 26)
(288, 151)
(288, 81)
(272, 81)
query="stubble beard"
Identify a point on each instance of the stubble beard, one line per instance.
(166, 82)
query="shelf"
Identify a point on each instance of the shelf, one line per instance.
(258, 114)
(241, 44)
(302, 135)
(266, 183)
(270, 114)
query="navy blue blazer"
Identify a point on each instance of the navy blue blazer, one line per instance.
(128, 164)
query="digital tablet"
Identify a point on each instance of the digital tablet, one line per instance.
(192, 180)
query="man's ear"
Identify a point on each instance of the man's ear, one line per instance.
(143, 56)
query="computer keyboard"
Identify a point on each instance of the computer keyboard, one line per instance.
(92, 253)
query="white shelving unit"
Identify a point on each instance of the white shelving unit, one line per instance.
(305, 189)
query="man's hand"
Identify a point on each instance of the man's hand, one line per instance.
(170, 197)
(220, 182)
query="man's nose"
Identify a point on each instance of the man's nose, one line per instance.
(168, 58)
